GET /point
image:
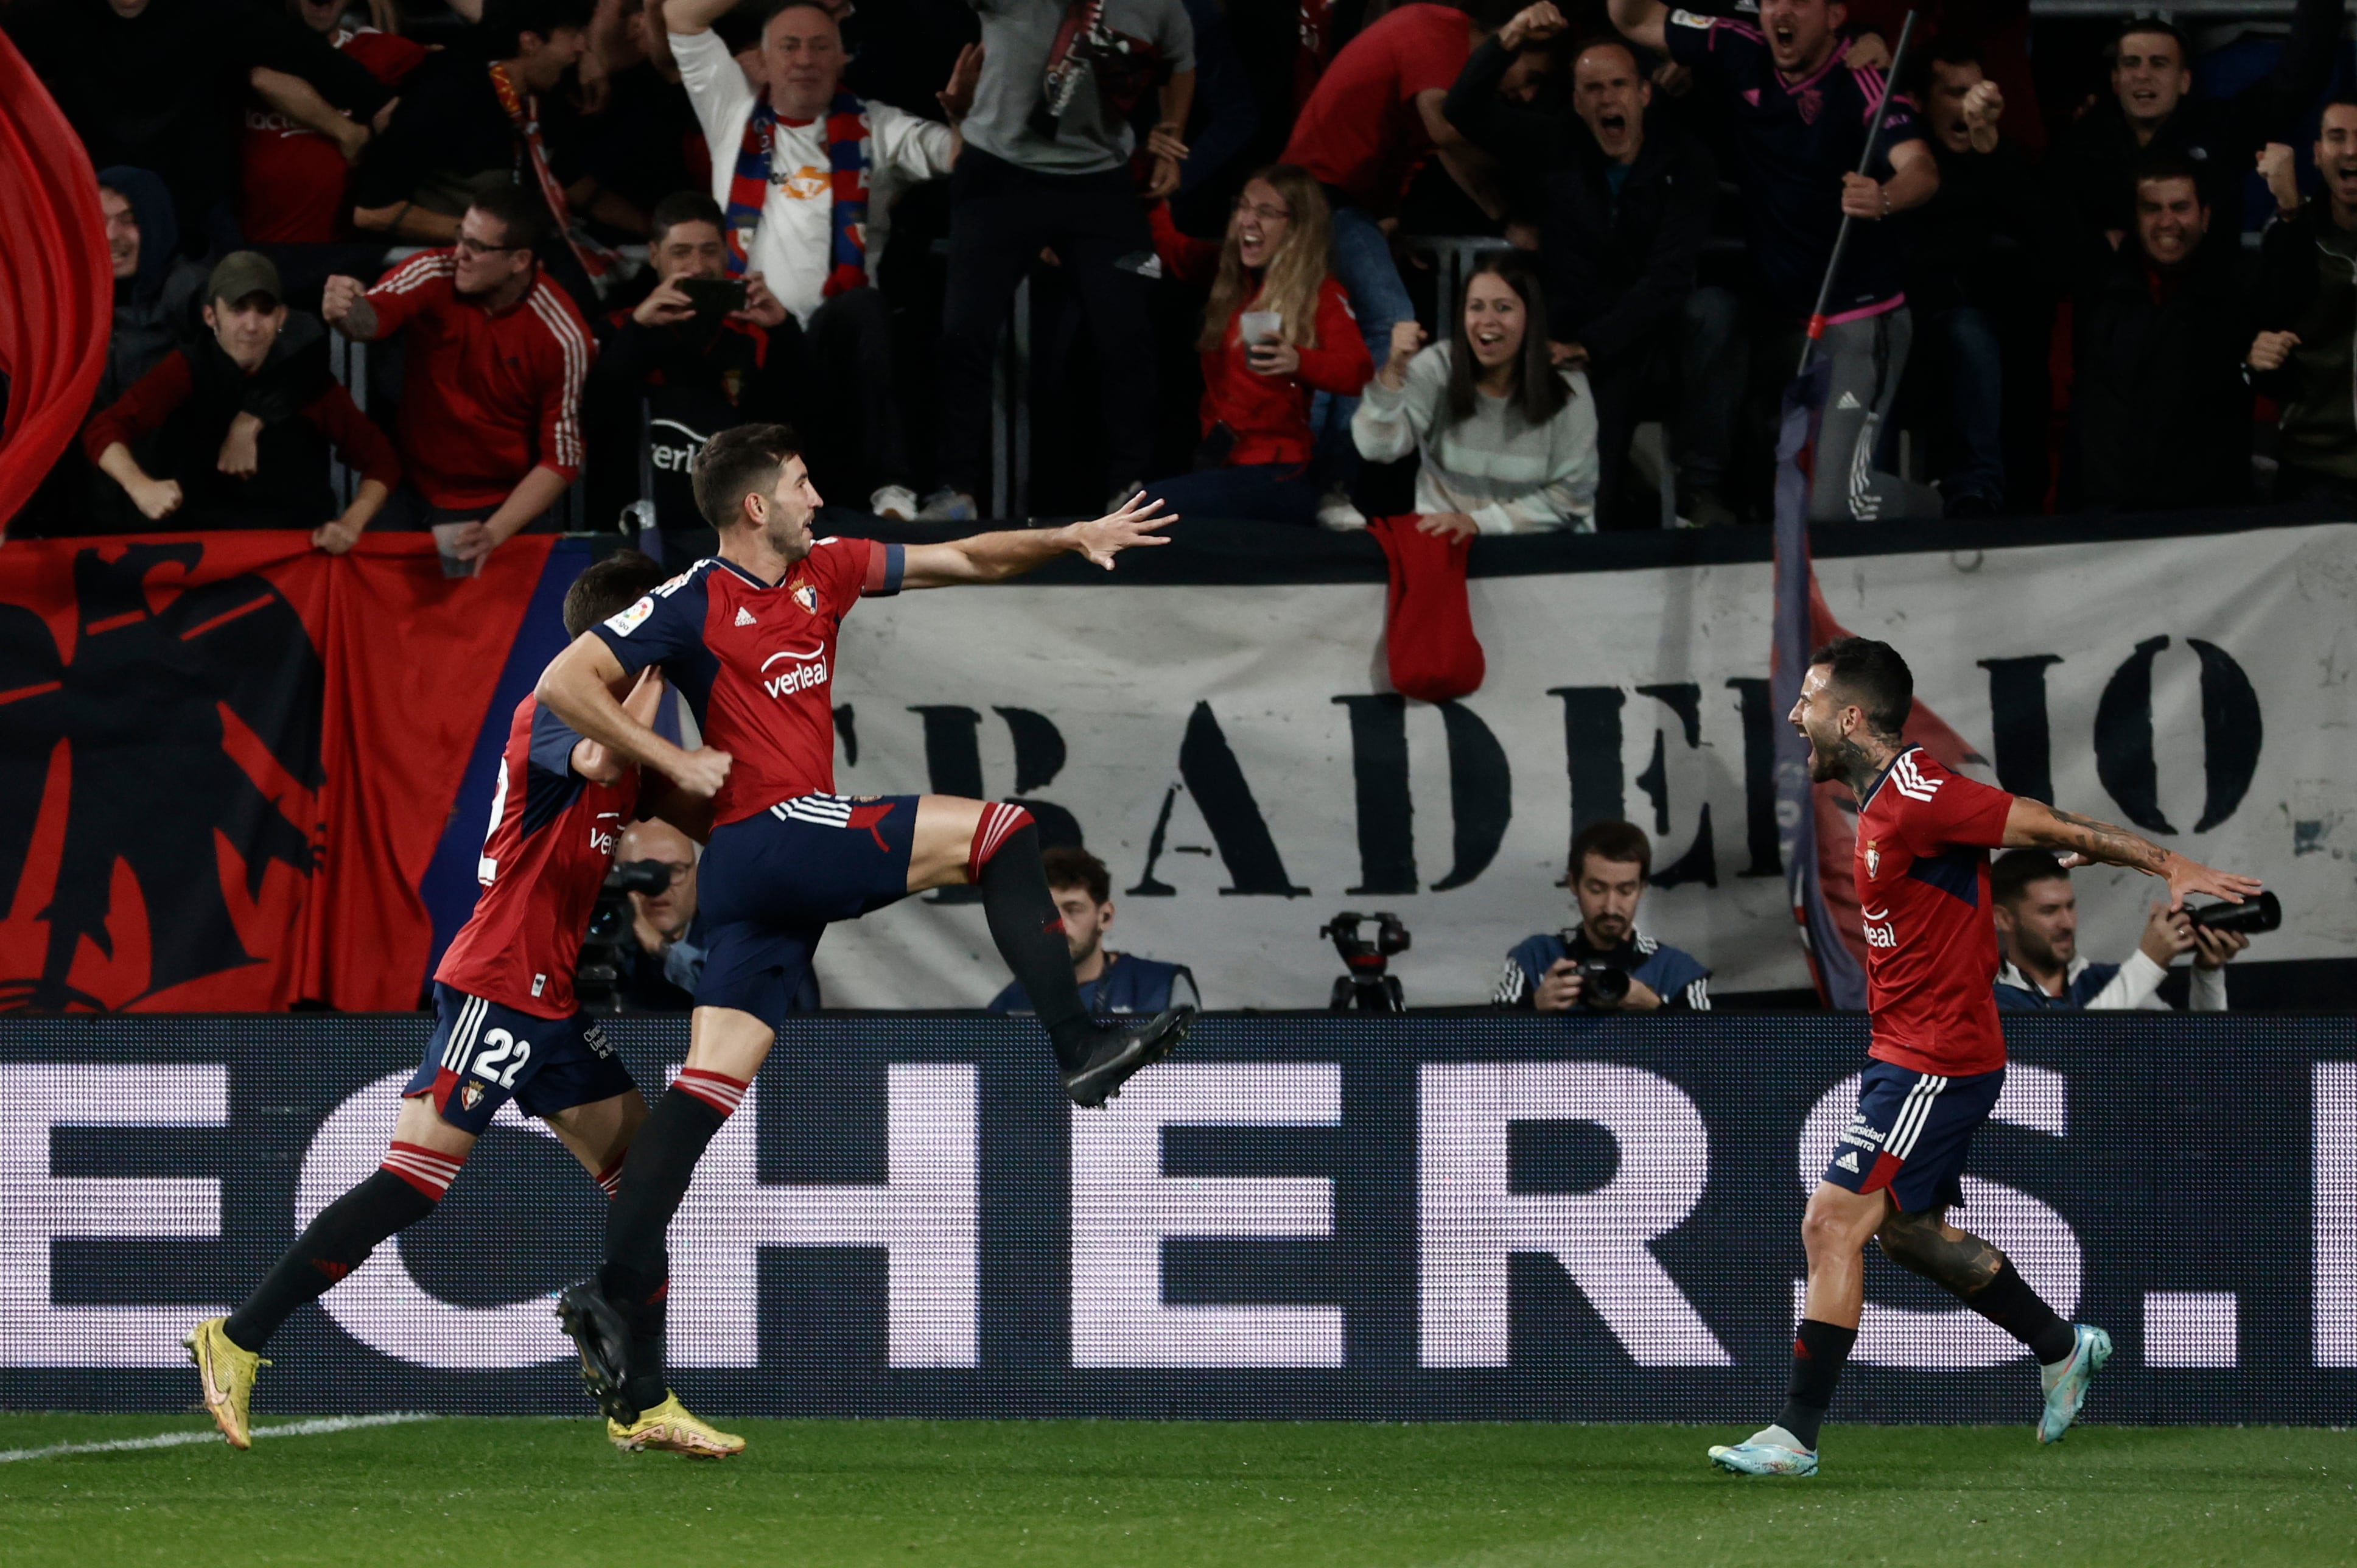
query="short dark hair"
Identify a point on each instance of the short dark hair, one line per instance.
(683, 207)
(1619, 842)
(2158, 163)
(2160, 25)
(608, 588)
(2013, 872)
(736, 462)
(523, 214)
(1069, 866)
(1872, 675)
(1965, 49)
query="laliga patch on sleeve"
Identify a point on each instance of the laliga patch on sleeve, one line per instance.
(1688, 19)
(629, 619)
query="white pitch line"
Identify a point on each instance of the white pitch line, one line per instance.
(315, 1428)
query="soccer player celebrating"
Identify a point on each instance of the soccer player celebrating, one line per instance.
(506, 1027)
(1922, 869)
(749, 641)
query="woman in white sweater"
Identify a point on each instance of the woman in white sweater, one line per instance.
(1508, 441)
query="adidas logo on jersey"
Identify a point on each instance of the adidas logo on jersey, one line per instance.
(1849, 1161)
(1849, 400)
(744, 616)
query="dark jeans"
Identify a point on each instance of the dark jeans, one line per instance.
(1000, 218)
(848, 405)
(1690, 375)
(1250, 492)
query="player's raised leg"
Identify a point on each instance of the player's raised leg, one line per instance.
(424, 1154)
(994, 845)
(1976, 1273)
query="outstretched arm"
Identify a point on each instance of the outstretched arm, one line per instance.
(1643, 22)
(2083, 840)
(995, 557)
(584, 686)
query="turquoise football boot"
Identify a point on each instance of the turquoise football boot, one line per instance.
(2093, 1348)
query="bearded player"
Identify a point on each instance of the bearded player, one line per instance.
(1922, 869)
(507, 1026)
(748, 640)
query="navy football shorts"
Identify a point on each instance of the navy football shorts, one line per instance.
(1911, 1134)
(483, 1054)
(768, 885)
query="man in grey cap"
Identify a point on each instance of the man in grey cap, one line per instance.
(244, 423)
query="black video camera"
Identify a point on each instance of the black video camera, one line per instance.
(1365, 985)
(2264, 913)
(595, 977)
(1603, 981)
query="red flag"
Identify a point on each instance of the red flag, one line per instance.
(226, 758)
(57, 293)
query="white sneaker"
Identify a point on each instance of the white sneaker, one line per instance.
(1337, 512)
(946, 505)
(898, 503)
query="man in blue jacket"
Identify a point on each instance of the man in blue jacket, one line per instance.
(1558, 971)
(1110, 981)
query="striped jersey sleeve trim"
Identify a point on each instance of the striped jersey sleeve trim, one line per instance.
(575, 350)
(417, 272)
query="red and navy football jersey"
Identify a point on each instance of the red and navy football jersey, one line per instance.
(1794, 141)
(551, 843)
(755, 663)
(1922, 865)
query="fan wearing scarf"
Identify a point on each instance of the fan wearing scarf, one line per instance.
(806, 173)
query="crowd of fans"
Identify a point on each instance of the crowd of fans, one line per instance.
(583, 235)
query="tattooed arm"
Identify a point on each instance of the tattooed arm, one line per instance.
(2083, 840)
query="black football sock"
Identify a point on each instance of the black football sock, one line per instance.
(330, 1247)
(646, 1387)
(2009, 1302)
(637, 1274)
(1028, 930)
(1819, 1352)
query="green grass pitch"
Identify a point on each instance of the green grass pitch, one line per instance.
(1107, 1493)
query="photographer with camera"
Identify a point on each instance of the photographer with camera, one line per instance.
(656, 959)
(1602, 964)
(2038, 920)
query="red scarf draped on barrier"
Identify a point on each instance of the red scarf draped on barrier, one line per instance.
(1427, 623)
(57, 291)
(230, 759)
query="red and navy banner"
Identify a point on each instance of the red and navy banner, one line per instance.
(227, 762)
(1817, 823)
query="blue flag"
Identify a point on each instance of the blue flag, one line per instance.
(1840, 980)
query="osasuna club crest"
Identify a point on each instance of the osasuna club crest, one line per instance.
(470, 1094)
(805, 596)
(1873, 861)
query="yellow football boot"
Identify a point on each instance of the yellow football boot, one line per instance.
(669, 1428)
(227, 1373)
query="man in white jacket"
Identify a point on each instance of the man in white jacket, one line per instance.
(2037, 919)
(806, 174)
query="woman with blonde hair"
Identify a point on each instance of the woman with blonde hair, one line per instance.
(1276, 330)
